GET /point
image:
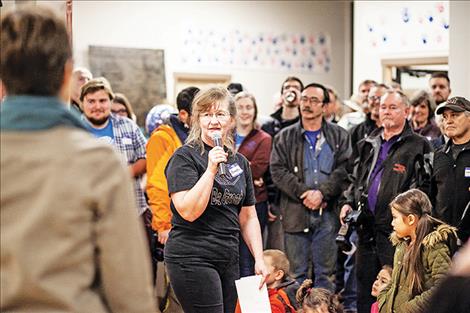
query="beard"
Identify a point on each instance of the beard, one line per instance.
(439, 100)
(98, 122)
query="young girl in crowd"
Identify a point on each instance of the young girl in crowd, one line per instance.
(424, 246)
(316, 300)
(383, 280)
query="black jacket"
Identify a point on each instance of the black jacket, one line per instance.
(451, 188)
(276, 123)
(362, 130)
(408, 165)
(287, 160)
(272, 127)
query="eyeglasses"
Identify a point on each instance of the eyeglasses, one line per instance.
(374, 98)
(313, 100)
(119, 111)
(220, 116)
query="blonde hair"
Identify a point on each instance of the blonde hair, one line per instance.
(203, 101)
(279, 260)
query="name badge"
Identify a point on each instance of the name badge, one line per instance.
(127, 141)
(234, 170)
(467, 172)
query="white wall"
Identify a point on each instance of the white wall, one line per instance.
(374, 20)
(159, 25)
(459, 56)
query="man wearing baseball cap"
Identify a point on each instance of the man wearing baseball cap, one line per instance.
(451, 178)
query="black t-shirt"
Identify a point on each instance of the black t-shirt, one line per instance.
(214, 235)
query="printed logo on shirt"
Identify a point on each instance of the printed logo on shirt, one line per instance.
(467, 172)
(400, 168)
(227, 198)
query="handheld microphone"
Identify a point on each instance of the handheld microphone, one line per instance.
(217, 138)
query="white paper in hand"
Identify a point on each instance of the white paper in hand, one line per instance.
(251, 298)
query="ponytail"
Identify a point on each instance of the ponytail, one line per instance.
(313, 298)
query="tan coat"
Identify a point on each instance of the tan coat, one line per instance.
(436, 258)
(71, 240)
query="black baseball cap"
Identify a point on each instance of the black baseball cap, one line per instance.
(235, 88)
(456, 104)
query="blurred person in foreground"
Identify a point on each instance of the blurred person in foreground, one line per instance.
(70, 240)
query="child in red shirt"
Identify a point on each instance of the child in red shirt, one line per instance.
(280, 286)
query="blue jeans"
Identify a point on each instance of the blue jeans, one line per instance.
(247, 262)
(317, 244)
(350, 289)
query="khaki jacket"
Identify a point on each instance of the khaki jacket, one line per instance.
(71, 240)
(436, 258)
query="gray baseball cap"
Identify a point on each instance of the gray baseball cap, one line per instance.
(456, 104)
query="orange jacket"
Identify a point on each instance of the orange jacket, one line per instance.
(279, 302)
(160, 147)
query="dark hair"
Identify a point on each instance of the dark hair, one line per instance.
(292, 78)
(94, 85)
(440, 75)
(416, 202)
(313, 298)
(185, 98)
(122, 99)
(235, 88)
(326, 96)
(421, 96)
(34, 50)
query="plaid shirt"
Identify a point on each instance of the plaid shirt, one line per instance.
(130, 142)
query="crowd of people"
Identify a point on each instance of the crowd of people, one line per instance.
(340, 206)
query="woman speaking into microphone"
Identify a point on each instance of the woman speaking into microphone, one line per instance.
(210, 209)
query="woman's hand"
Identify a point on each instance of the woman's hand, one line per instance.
(216, 155)
(261, 269)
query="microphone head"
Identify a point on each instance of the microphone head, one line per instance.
(216, 135)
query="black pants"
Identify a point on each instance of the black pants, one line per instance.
(151, 240)
(205, 286)
(371, 255)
